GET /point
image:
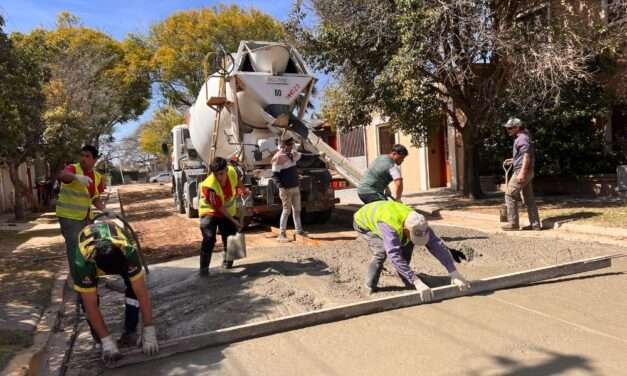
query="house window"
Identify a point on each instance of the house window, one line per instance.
(387, 139)
(614, 10)
(352, 143)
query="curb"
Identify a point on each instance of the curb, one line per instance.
(30, 361)
(562, 226)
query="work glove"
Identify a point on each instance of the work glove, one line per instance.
(458, 280)
(84, 180)
(110, 352)
(458, 256)
(150, 346)
(426, 295)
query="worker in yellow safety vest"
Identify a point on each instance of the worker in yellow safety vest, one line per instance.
(393, 229)
(218, 208)
(81, 187)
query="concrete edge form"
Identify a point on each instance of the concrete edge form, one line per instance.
(259, 329)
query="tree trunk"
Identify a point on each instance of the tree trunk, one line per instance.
(18, 188)
(472, 183)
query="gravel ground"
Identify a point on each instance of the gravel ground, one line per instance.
(285, 281)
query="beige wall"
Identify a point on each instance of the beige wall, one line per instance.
(412, 167)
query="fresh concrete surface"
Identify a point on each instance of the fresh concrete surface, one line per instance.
(573, 327)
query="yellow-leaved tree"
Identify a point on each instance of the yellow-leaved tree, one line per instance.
(156, 131)
(181, 41)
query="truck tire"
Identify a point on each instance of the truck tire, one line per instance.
(189, 208)
(190, 211)
(178, 200)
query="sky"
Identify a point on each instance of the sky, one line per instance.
(119, 17)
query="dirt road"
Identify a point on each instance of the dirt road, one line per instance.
(572, 327)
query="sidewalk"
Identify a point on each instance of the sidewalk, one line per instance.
(36, 291)
(563, 214)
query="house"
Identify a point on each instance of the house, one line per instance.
(439, 163)
(429, 166)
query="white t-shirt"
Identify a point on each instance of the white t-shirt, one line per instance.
(395, 171)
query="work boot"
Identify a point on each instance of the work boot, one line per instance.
(510, 227)
(282, 238)
(204, 261)
(532, 228)
(227, 264)
(370, 289)
(204, 272)
(302, 233)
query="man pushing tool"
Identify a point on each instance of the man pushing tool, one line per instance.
(392, 229)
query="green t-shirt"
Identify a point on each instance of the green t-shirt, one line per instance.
(85, 271)
(379, 175)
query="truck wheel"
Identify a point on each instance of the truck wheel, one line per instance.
(180, 206)
(179, 202)
(190, 211)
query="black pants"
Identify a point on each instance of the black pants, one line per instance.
(208, 228)
(367, 198)
(131, 310)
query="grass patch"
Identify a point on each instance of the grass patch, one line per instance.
(12, 341)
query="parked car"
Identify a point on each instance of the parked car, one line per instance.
(163, 177)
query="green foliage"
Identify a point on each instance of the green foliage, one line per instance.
(181, 41)
(93, 82)
(156, 131)
(20, 101)
(569, 139)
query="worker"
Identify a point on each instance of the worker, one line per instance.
(522, 161)
(104, 249)
(384, 170)
(217, 209)
(285, 176)
(81, 187)
(393, 229)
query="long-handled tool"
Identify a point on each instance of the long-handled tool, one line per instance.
(503, 211)
(507, 167)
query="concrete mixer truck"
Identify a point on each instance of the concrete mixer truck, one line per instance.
(255, 97)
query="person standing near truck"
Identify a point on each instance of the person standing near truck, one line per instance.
(285, 176)
(384, 170)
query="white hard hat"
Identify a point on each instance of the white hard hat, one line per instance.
(417, 226)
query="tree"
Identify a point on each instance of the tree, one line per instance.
(21, 101)
(412, 60)
(93, 83)
(156, 131)
(182, 40)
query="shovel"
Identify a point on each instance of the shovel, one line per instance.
(503, 210)
(236, 244)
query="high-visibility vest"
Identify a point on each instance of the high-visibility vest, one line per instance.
(74, 199)
(204, 206)
(391, 213)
